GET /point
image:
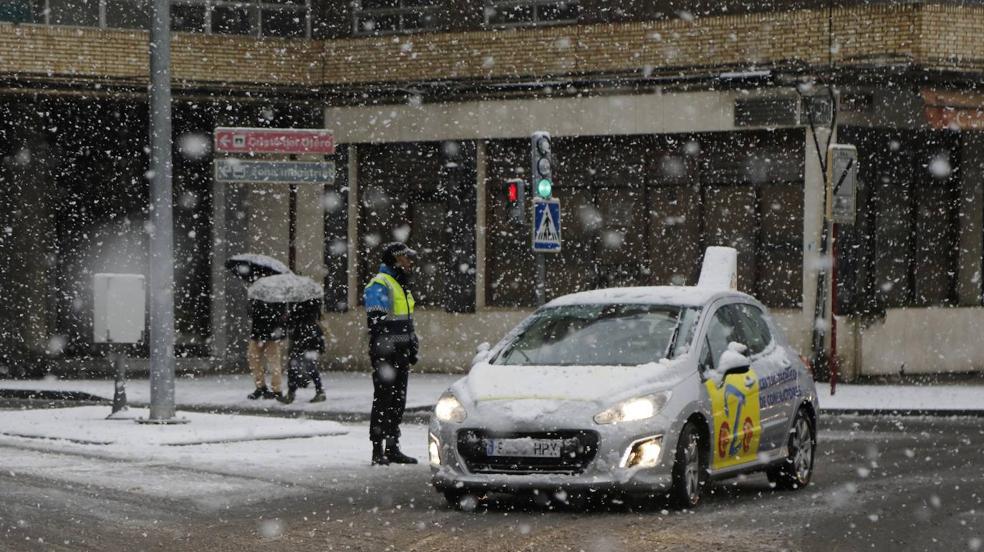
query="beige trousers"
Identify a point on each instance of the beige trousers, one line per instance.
(259, 353)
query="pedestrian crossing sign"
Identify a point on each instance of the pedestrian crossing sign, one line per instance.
(546, 225)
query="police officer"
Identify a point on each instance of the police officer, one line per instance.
(393, 348)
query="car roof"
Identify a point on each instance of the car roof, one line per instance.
(684, 296)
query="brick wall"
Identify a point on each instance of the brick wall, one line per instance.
(934, 36)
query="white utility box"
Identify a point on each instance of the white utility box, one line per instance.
(119, 305)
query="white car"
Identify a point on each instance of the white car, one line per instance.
(631, 390)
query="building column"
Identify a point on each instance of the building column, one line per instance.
(814, 191)
(971, 219)
(354, 289)
(480, 222)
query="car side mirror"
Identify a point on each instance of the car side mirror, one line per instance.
(731, 362)
(482, 353)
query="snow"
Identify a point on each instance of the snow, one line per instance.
(562, 383)
(656, 295)
(720, 269)
(88, 425)
(285, 288)
(260, 260)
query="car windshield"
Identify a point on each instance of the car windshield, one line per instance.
(581, 335)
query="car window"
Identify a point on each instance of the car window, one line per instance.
(720, 332)
(754, 328)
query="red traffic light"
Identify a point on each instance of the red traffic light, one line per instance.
(512, 192)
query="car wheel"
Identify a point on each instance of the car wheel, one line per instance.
(796, 470)
(689, 468)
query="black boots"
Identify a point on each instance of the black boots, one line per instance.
(259, 393)
(395, 456)
(389, 453)
(378, 454)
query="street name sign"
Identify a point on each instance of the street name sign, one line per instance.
(546, 225)
(231, 170)
(286, 141)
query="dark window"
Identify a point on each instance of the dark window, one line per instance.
(82, 13)
(753, 330)
(720, 332)
(22, 11)
(232, 20)
(283, 22)
(127, 14)
(186, 18)
(639, 210)
(392, 16)
(513, 13)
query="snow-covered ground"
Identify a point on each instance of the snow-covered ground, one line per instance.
(213, 461)
(220, 459)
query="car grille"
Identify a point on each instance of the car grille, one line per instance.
(577, 451)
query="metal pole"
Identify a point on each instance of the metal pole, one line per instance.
(541, 279)
(162, 236)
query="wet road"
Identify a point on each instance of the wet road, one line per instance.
(881, 484)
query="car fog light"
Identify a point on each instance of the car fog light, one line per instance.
(434, 451)
(643, 454)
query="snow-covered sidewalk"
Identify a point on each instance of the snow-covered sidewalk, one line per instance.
(351, 393)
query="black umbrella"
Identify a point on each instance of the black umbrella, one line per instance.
(251, 267)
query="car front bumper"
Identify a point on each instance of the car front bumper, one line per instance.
(605, 471)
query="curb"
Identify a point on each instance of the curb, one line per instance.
(935, 412)
(420, 414)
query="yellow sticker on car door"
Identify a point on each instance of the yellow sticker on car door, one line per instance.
(737, 419)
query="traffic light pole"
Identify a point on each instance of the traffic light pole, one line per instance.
(541, 279)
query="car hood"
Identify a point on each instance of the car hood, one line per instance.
(600, 384)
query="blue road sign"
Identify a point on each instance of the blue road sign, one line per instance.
(546, 225)
(231, 170)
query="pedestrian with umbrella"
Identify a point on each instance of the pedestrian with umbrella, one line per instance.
(301, 298)
(267, 323)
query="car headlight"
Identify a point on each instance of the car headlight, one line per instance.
(448, 409)
(637, 408)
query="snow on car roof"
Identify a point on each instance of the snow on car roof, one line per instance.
(657, 295)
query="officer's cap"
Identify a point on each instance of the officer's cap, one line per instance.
(395, 249)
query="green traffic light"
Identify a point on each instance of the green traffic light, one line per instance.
(544, 187)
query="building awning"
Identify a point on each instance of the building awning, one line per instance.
(948, 110)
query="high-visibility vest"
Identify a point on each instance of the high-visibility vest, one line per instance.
(401, 302)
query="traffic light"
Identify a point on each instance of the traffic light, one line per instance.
(542, 164)
(514, 194)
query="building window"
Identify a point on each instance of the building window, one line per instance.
(188, 18)
(22, 11)
(640, 210)
(375, 17)
(521, 13)
(235, 19)
(127, 14)
(402, 199)
(78, 13)
(278, 18)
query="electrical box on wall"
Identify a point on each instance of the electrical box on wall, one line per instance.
(119, 306)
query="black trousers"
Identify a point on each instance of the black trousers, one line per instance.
(389, 400)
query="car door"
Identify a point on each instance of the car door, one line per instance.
(773, 371)
(734, 400)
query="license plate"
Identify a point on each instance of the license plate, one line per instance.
(534, 448)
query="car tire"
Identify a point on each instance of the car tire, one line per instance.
(689, 468)
(796, 470)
